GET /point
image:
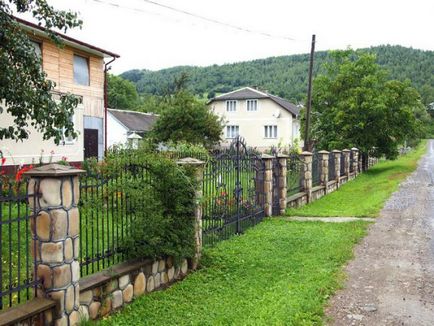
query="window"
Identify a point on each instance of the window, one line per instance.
(270, 131)
(67, 139)
(37, 48)
(252, 105)
(231, 106)
(81, 70)
(232, 131)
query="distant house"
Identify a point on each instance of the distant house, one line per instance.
(263, 119)
(126, 126)
(76, 68)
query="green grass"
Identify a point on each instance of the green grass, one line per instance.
(365, 195)
(278, 273)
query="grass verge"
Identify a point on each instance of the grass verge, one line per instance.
(278, 273)
(365, 195)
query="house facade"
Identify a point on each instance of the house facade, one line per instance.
(262, 119)
(77, 68)
(128, 127)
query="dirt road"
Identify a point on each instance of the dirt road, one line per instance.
(391, 279)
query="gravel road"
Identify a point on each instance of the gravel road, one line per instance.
(391, 279)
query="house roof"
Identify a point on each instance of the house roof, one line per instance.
(251, 93)
(39, 30)
(134, 121)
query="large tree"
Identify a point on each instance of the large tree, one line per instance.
(354, 104)
(185, 119)
(122, 94)
(25, 93)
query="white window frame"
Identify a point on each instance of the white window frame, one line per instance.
(232, 131)
(88, 70)
(69, 140)
(252, 101)
(270, 132)
(38, 44)
(231, 105)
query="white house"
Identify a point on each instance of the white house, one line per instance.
(124, 126)
(263, 119)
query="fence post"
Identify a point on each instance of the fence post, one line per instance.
(355, 160)
(198, 167)
(268, 184)
(282, 191)
(307, 174)
(324, 176)
(346, 153)
(55, 193)
(337, 154)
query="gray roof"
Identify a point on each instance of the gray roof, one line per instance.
(135, 121)
(250, 93)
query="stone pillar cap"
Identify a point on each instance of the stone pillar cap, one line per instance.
(266, 156)
(354, 149)
(336, 151)
(54, 170)
(306, 153)
(190, 161)
(282, 156)
(346, 150)
(323, 152)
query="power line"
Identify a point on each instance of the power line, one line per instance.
(207, 19)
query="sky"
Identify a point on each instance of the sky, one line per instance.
(148, 36)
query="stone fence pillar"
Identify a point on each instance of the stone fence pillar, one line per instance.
(268, 184)
(346, 154)
(282, 166)
(306, 185)
(198, 167)
(55, 192)
(324, 176)
(355, 160)
(337, 155)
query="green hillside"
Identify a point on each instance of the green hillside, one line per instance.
(285, 76)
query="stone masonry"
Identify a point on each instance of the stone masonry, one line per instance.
(346, 153)
(55, 231)
(324, 175)
(268, 184)
(355, 160)
(282, 166)
(306, 157)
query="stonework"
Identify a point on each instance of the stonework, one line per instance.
(307, 175)
(56, 255)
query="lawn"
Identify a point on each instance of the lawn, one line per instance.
(278, 273)
(365, 195)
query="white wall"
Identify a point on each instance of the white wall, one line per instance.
(29, 150)
(116, 133)
(251, 124)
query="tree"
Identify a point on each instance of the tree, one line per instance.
(25, 93)
(354, 104)
(185, 119)
(122, 94)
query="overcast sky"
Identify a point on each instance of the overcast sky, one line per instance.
(152, 37)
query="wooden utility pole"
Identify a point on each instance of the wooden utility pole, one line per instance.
(309, 99)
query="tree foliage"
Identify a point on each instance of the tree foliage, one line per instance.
(25, 93)
(185, 119)
(354, 104)
(122, 94)
(286, 76)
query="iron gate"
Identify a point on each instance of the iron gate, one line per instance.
(276, 183)
(233, 192)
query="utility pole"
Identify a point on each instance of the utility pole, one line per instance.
(309, 98)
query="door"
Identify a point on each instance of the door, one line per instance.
(90, 143)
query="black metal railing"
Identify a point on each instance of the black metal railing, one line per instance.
(351, 162)
(316, 169)
(107, 211)
(332, 172)
(294, 175)
(342, 165)
(17, 265)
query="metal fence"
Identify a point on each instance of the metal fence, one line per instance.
(107, 211)
(316, 169)
(17, 265)
(332, 172)
(233, 197)
(342, 165)
(351, 162)
(294, 174)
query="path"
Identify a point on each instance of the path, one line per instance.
(391, 279)
(340, 219)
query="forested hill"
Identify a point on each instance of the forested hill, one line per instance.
(285, 76)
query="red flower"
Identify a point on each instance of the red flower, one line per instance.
(19, 174)
(3, 160)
